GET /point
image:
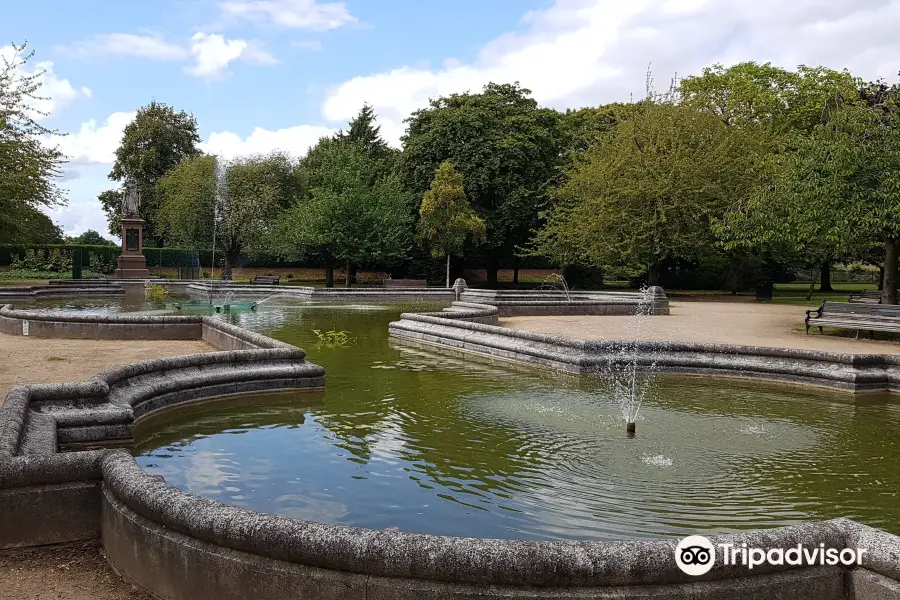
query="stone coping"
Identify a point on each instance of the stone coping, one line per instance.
(50, 292)
(33, 315)
(460, 560)
(852, 372)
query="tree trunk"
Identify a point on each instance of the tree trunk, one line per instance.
(889, 293)
(329, 276)
(491, 269)
(653, 275)
(448, 271)
(812, 284)
(825, 285)
(515, 269)
(226, 268)
(348, 278)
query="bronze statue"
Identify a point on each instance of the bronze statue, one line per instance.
(131, 200)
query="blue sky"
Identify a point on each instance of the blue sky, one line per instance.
(276, 74)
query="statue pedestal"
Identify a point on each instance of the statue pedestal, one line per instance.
(132, 264)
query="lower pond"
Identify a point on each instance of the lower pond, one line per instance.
(414, 439)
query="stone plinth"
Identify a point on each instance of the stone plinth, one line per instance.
(132, 264)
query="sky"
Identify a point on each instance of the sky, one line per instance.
(261, 75)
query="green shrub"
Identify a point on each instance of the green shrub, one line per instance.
(158, 293)
(39, 274)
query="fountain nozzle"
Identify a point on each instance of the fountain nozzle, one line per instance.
(629, 428)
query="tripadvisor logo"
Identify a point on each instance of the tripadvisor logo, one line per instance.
(696, 555)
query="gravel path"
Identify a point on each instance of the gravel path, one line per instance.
(43, 360)
(741, 323)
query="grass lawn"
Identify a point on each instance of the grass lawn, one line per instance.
(784, 293)
(795, 293)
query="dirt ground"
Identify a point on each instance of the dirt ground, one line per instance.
(746, 324)
(77, 572)
(43, 360)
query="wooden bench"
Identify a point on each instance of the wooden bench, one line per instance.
(866, 297)
(267, 279)
(405, 283)
(865, 317)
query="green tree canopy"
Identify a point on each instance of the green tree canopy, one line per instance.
(363, 131)
(647, 192)
(91, 237)
(779, 100)
(839, 188)
(585, 127)
(28, 166)
(158, 139)
(241, 216)
(446, 220)
(507, 148)
(354, 213)
(780, 107)
(37, 228)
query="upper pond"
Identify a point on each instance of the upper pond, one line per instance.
(410, 438)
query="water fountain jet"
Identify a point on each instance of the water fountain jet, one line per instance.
(555, 281)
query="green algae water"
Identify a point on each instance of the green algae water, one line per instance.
(411, 438)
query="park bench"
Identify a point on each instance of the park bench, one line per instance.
(267, 279)
(866, 297)
(405, 283)
(865, 317)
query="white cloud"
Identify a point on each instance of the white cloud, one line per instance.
(589, 52)
(94, 143)
(212, 53)
(117, 45)
(294, 140)
(294, 14)
(55, 92)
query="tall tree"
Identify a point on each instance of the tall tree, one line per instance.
(780, 106)
(240, 216)
(446, 220)
(28, 166)
(647, 192)
(354, 213)
(37, 228)
(362, 130)
(839, 187)
(158, 139)
(507, 148)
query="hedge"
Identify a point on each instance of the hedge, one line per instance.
(156, 257)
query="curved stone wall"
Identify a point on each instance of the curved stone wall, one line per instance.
(147, 522)
(512, 303)
(49, 474)
(52, 292)
(858, 373)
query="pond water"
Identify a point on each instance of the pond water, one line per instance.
(411, 438)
